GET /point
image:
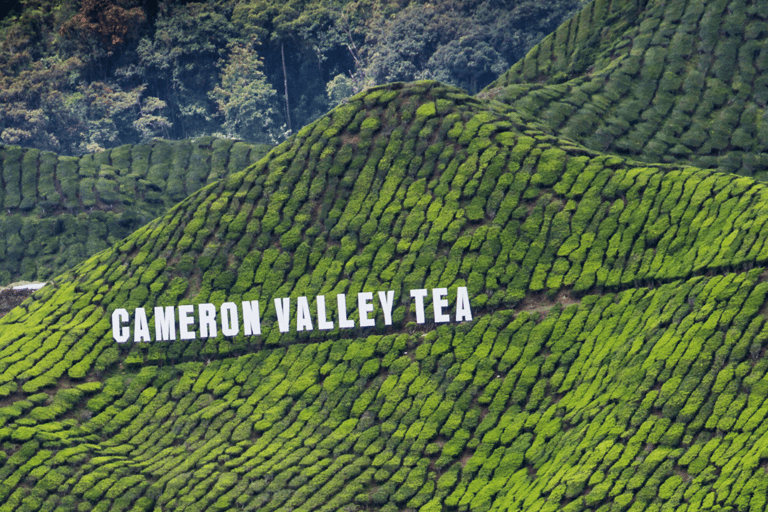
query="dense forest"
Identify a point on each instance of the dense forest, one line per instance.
(83, 76)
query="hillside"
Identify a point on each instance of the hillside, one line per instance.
(654, 80)
(614, 354)
(59, 210)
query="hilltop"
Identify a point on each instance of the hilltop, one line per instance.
(657, 81)
(615, 354)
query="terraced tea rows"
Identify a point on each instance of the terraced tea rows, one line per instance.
(643, 391)
(58, 210)
(579, 409)
(661, 81)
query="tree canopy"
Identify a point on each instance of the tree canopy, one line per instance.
(84, 75)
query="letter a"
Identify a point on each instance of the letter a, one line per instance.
(142, 328)
(463, 311)
(303, 318)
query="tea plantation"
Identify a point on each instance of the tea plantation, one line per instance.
(615, 359)
(657, 80)
(58, 210)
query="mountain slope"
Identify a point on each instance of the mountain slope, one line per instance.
(656, 80)
(59, 210)
(615, 355)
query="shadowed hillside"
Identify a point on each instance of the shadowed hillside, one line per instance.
(656, 80)
(615, 355)
(59, 210)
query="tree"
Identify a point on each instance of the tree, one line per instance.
(467, 61)
(180, 61)
(295, 28)
(80, 74)
(151, 123)
(112, 21)
(398, 48)
(245, 97)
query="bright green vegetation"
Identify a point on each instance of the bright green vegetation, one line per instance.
(59, 210)
(660, 81)
(616, 360)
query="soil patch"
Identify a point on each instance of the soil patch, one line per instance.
(541, 303)
(10, 298)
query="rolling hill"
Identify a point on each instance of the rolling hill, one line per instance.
(421, 301)
(614, 356)
(654, 80)
(59, 210)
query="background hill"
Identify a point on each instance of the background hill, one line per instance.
(615, 357)
(658, 81)
(59, 210)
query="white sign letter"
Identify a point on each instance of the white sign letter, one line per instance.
(141, 331)
(120, 331)
(185, 320)
(251, 319)
(419, 296)
(322, 322)
(165, 324)
(439, 302)
(229, 324)
(207, 315)
(341, 300)
(387, 300)
(283, 309)
(463, 312)
(365, 306)
(303, 318)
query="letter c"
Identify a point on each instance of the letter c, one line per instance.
(120, 331)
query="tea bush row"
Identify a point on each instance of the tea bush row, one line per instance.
(59, 210)
(580, 408)
(505, 216)
(674, 82)
(576, 394)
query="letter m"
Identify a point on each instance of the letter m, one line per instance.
(165, 324)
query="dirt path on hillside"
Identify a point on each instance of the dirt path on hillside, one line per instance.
(10, 298)
(541, 303)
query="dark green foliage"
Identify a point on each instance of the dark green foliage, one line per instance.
(86, 77)
(60, 210)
